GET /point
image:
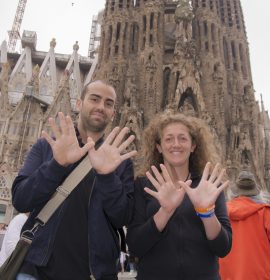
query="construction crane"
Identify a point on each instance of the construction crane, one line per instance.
(14, 33)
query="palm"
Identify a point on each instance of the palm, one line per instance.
(65, 146)
(110, 154)
(67, 149)
(169, 197)
(209, 188)
(168, 194)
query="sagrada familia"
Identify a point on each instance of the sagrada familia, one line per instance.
(187, 56)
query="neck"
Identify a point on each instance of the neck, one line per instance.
(179, 173)
(85, 134)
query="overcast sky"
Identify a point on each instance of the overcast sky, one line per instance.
(70, 20)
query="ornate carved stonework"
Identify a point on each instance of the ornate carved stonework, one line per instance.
(189, 56)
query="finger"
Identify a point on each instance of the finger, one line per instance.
(47, 137)
(165, 173)
(70, 126)
(88, 146)
(152, 180)
(54, 127)
(112, 135)
(151, 192)
(126, 143)
(186, 186)
(63, 124)
(158, 175)
(214, 173)
(206, 171)
(128, 155)
(120, 136)
(223, 186)
(220, 177)
(188, 182)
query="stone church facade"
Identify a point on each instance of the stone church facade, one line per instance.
(192, 57)
(34, 86)
(187, 56)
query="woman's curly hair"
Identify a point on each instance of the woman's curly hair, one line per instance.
(200, 134)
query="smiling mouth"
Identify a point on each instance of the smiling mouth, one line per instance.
(99, 115)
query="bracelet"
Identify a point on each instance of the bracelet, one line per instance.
(205, 210)
(206, 215)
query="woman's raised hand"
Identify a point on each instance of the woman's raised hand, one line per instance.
(168, 194)
(209, 188)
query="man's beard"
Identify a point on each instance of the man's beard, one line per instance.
(92, 125)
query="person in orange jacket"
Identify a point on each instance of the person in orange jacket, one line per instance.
(249, 258)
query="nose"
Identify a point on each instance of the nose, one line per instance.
(176, 142)
(101, 105)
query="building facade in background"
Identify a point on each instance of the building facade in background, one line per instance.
(192, 57)
(187, 56)
(34, 86)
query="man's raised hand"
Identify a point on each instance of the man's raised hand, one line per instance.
(112, 152)
(65, 145)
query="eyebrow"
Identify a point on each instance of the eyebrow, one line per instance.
(99, 97)
(180, 134)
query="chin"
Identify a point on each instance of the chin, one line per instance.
(177, 163)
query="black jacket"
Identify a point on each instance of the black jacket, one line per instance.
(110, 207)
(181, 251)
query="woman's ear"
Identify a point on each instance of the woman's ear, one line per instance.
(193, 147)
(159, 148)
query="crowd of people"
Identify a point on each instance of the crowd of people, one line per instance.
(179, 224)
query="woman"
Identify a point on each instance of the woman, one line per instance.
(180, 225)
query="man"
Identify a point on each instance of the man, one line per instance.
(81, 238)
(250, 220)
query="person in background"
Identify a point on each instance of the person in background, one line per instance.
(12, 236)
(249, 258)
(122, 261)
(180, 225)
(3, 226)
(80, 240)
(132, 265)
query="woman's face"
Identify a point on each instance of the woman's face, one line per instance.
(176, 145)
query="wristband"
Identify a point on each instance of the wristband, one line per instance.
(206, 215)
(205, 210)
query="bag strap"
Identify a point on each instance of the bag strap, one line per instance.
(63, 191)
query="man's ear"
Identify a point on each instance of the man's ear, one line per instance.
(113, 115)
(78, 104)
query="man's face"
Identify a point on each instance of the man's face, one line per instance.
(97, 108)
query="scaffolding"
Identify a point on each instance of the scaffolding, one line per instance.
(95, 33)
(14, 33)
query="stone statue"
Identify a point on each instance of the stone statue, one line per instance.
(187, 107)
(183, 17)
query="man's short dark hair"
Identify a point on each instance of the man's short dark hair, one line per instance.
(85, 88)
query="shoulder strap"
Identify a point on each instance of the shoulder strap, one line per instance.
(63, 191)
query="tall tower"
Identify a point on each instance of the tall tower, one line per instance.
(226, 83)
(129, 58)
(14, 33)
(190, 56)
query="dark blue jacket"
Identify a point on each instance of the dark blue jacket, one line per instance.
(110, 207)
